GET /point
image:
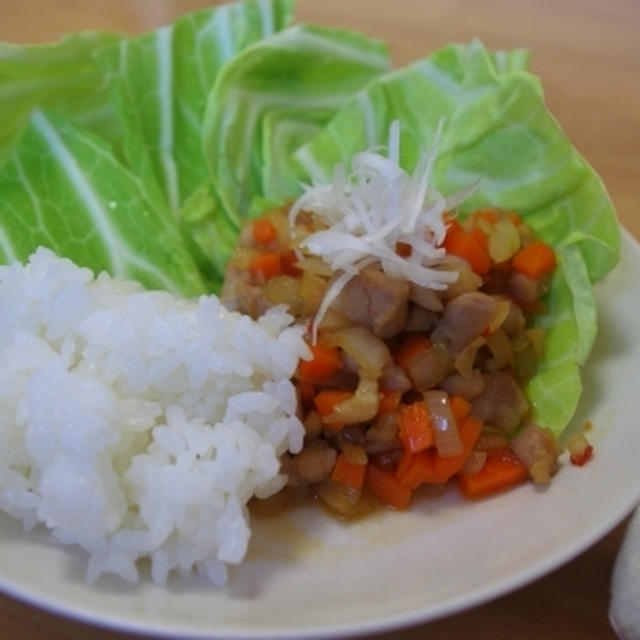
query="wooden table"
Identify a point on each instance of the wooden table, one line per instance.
(588, 55)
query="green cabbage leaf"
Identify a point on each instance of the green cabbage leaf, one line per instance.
(64, 189)
(160, 83)
(60, 76)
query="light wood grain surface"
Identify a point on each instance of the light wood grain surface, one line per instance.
(587, 53)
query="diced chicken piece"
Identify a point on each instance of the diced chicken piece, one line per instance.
(382, 435)
(536, 448)
(251, 300)
(420, 319)
(387, 460)
(501, 402)
(465, 318)
(467, 387)
(393, 378)
(374, 299)
(354, 434)
(315, 462)
(491, 439)
(525, 289)
(429, 366)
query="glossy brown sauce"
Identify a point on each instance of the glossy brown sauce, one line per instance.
(291, 498)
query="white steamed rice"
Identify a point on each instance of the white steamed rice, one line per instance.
(138, 424)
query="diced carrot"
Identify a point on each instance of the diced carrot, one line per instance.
(386, 487)
(580, 450)
(430, 468)
(535, 261)
(289, 260)
(470, 430)
(324, 363)
(404, 463)
(583, 457)
(481, 237)
(263, 231)
(389, 400)
(265, 266)
(488, 215)
(416, 427)
(414, 469)
(501, 470)
(348, 473)
(406, 350)
(465, 245)
(460, 408)
(326, 401)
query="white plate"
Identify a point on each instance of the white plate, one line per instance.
(313, 576)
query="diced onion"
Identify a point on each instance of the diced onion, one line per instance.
(371, 353)
(316, 266)
(426, 298)
(446, 433)
(501, 349)
(504, 240)
(361, 407)
(284, 290)
(354, 453)
(339, 498)
(334, 320)
(312, 290)
(467, 281)
(503, 308)
(464, 360)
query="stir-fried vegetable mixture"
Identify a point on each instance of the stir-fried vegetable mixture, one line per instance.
(419, 337)
(408, 386)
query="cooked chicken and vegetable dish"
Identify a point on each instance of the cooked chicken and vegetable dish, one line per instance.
(264, 286)
(409, 386)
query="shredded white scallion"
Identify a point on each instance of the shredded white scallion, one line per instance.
(370, 210)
